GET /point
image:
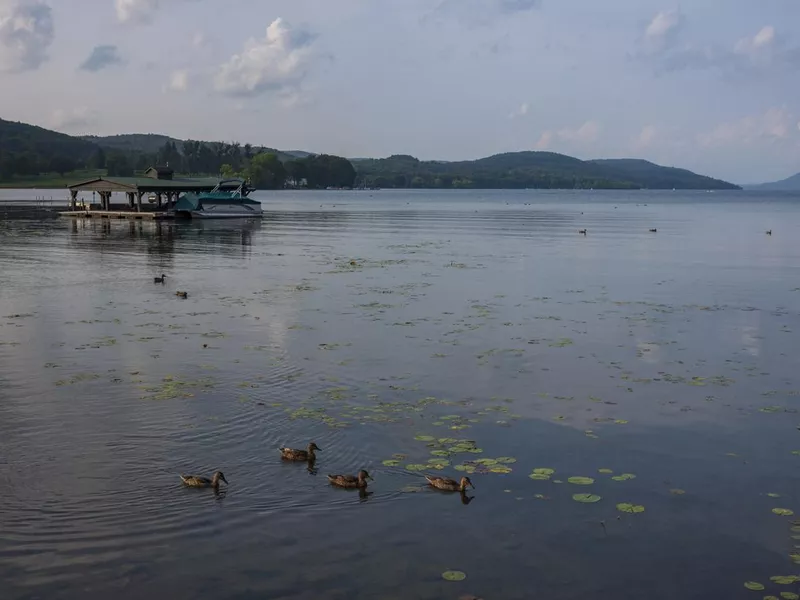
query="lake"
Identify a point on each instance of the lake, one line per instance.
(625, 402)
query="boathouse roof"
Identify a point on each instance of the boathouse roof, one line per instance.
(149, 183)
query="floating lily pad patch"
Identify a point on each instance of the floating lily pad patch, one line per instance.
(789, 596)
(424, 438)
(630, 508)
(605, 471)
(784, 579)
(455, 576)
(754, 585)
(624, 477)
(391, 462)
(581, 480)
(784, 512)
(586, 498)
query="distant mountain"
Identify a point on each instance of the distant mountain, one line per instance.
(27, 151)
(790, 184)
(531, 170)
(649, 175)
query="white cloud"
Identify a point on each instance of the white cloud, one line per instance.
(585, 135)
(74, 119)
(178, 81)
(136, 11)
(775, 125)
(26, 33)
(646, 137)
(522, 111)
(279, 61)
(662, 31)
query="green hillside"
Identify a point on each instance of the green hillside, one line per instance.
(790, 184)
(31, 156)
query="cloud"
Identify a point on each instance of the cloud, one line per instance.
(102, 57)
(646, 137)
(585, 135)
(178, 81)
(26, 33)
(522, 111)
(138, 12)
(279, 61)
(74, 119)
(761, 53)
(774, 126)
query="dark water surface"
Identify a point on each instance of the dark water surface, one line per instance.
(671, 356)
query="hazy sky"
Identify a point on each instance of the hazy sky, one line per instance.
(710, 85)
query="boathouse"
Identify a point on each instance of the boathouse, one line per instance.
(159, 184)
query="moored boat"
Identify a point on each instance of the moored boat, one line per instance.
(223, 202)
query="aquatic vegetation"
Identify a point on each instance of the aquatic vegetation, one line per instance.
(784, 579)
(624, 477)
(391, 462)
(78, 378)
(586, 498)
(581, 480)
(677, 492)
(630, 508)
(754, 585)
(454, 576)
(784, 512)
(605, 471)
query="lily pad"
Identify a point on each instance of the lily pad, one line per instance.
(424, 438)
(391, 463)
(784, 512)
(416, 467)
(789, 596)
(753, 585)
(605, 471)
(773, 495)
(500, 469)
(630, 508)
(440, 453)
(784, 579)
(586, 498)
(507, 460)
(489, 462)
(539, 477)
(543, 471)
(677, 492)
(458, 576)
(624, 477)
(581, 480)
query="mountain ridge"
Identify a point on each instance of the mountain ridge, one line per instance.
(790, 184)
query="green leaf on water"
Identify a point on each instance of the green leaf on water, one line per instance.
(677, 492)
(539, 477)
(784, 579)
(391, 463)
(621, 422)
(624, 477)
(784, 512)
(581, 480)
(795, 556)
(543, 471)
(605, 471)
(789, 596)
(447, 440)
(424, 438)
(416, 467)
(440, 453)
(770, 598)
(455, 576)
(753, 585)
(489, 462)
(500, 469)
(586, 498)
(506, 460)
(630, 508)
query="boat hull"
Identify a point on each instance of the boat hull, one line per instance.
(201, 214)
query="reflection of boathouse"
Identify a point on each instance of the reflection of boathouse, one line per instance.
(158, 184)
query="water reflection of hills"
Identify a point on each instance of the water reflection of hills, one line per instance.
(165, 238)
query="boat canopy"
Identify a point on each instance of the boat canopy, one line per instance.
(191, 201)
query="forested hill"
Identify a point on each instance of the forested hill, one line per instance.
(531, 170)
(790, 184)
(32, 154)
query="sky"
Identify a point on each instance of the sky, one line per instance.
(708, 85)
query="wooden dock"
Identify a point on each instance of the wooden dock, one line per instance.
(118, 214)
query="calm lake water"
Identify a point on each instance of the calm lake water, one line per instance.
(407, 328)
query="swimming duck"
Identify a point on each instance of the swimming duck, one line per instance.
(291, 454)
(181, 294)
(161, 279)
(450, 485)
(204, 482)
(653, 230)
(769, 232)
(351, 481)
(582, 231)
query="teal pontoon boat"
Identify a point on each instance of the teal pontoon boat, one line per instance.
(223, 202)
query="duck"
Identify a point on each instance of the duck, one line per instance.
(351, 481)
(769, 232)
(203, 482)
(304, 455)
(181, 294)
(450, 485)
(653, 230)
(161, 279)
(582, 231)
